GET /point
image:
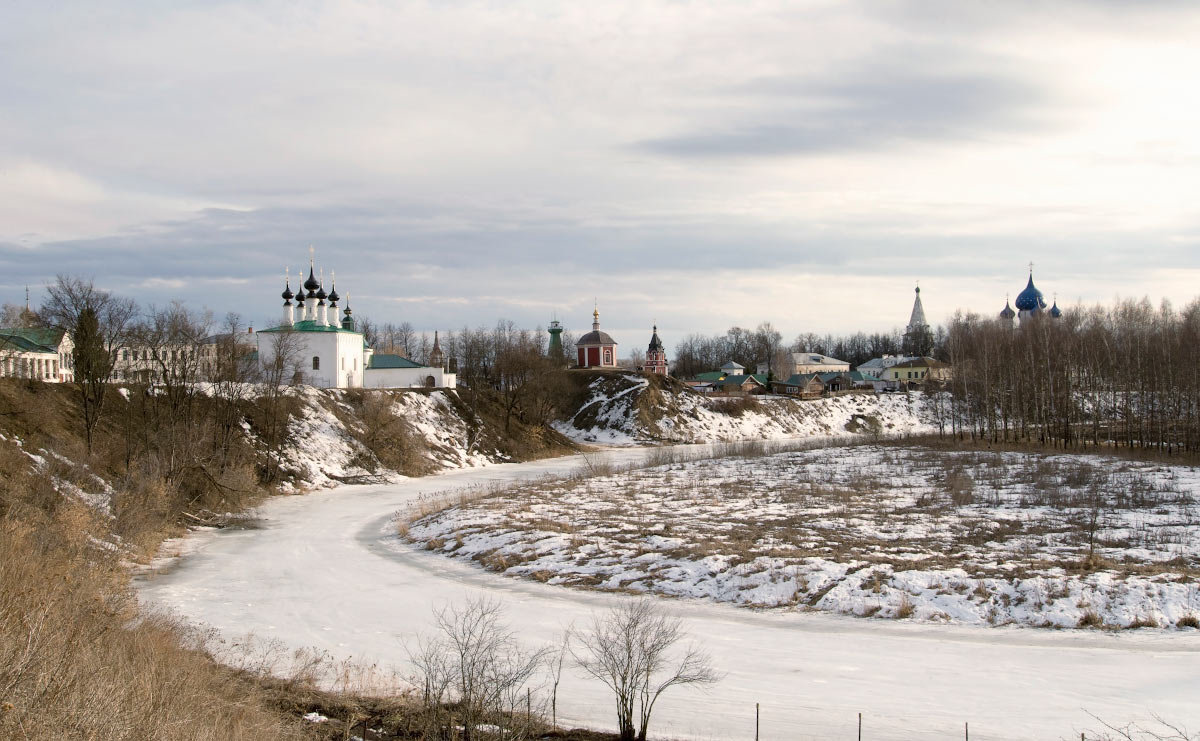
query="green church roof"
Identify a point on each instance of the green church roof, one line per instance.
(391, 361)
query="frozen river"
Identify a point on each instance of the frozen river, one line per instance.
(326, 571)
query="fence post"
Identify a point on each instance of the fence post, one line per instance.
(756, 721)
(860, 727)
(967, 731)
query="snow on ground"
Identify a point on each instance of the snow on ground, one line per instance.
(323, 451)
(870, 530)
(615, 414)
(327, 572)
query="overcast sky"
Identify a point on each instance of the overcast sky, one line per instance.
(698, 164)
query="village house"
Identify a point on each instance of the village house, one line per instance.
(800, 385)
(917, 371)
(739, 384)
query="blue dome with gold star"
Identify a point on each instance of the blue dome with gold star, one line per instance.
(1031, 298)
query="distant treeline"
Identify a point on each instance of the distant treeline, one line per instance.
(1128, 373)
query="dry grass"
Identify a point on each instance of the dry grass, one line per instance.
(78, 661)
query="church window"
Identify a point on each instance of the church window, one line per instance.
(316, 362)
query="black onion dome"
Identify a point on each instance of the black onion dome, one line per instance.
(1031, 298)
(287, 292)
(311, 284)
(596, 337)
(656, 344)
(333, 294)
(1008, 313)
(321, 292)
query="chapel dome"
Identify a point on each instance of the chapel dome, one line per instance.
(1008, 313)
(596, 337)
(311, 284)
(1031, 298)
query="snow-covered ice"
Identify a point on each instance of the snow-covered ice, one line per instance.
(327, 571)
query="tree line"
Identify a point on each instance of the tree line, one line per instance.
(1128, 374)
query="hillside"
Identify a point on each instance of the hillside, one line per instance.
(616, 408)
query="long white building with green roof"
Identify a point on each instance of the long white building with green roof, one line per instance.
(330, 352)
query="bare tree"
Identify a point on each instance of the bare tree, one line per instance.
(629, 648)
(474, 661)
(100, 322)
(279, 365)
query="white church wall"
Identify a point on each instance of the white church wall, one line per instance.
(401, 378)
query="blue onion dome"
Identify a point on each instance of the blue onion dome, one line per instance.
(1008, 313)
(1031, 298)
(287, 292)
(1055, 312)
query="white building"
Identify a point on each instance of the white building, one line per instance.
(811, 362)
(40, 353)
(875, 368)
(332, 353)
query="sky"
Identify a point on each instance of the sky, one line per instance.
(698, 165)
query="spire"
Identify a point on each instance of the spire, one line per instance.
(917, 318)
(596, 319)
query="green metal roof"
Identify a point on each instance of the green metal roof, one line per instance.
(48, 339)
(710, 376)
(801, 379)
(12, 342)
(309, 325)
(391, 361)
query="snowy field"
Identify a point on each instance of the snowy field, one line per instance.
(327, 572)
(883, 531)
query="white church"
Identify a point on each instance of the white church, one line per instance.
(333, 354)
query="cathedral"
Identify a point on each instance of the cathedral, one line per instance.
(332, 353)
(1030, 304)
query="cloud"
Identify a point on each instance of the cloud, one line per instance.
(896, 97)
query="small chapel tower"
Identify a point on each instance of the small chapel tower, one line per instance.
(656, 355)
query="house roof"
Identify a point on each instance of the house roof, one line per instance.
(883, 363)
(12, 342)
(761, 377)
(46, 337)
(802, 379)
(737, 381)
(733, 366)
(709, 376)
(391, 361)
(922, 362)
(812, 358)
